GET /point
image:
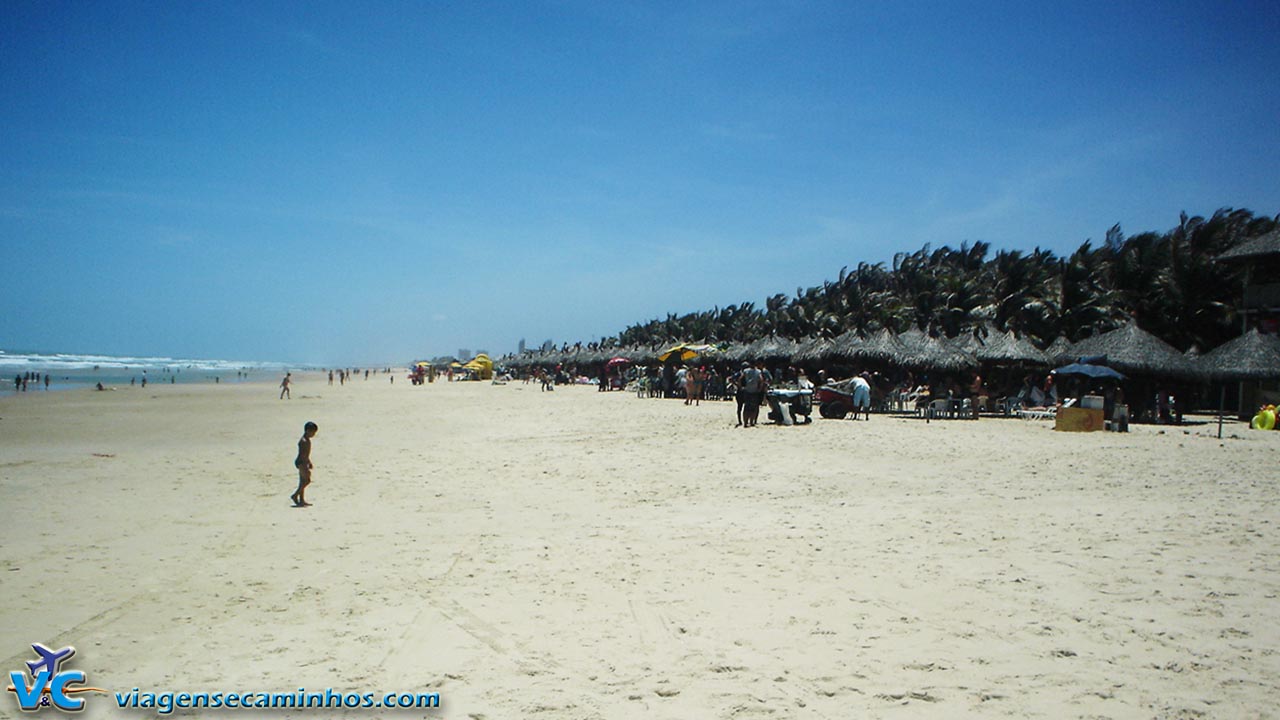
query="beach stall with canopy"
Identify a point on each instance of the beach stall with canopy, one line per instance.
(1088, 413)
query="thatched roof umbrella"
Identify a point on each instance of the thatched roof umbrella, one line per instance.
(970, 343)
(1009, 349)
(975, 338)
(812, 350)
(882, 346)
(769, 348)
(922, 351)
(847, 345)
(734, 352)
(1060, 351)
(1134, 350)
(955, 356)
(642, 354)
(1252, 356)
(917, 344)
(793, 349)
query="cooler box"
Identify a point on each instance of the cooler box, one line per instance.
(1078, 419)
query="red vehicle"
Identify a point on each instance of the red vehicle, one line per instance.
(834, 404)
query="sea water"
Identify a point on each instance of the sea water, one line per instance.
(69, 370)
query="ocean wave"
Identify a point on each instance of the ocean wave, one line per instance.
(53, 362)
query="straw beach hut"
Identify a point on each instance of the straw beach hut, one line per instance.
(972, 342)
(922, 351)
(1136, 351)
(1059, 351)
(848, 346)
(1009, 349)
(882, 345)
(770, 349)
(1252, 356)
(813, 350)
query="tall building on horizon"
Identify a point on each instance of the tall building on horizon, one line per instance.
(521, 347)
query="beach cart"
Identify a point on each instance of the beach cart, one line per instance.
(788, 406)
(834, 403)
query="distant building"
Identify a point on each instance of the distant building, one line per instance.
(521, 347)
(548, 346)
(465, 354)
(1259, 257)
(1259, 260)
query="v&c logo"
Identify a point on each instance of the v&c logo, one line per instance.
(49, 683)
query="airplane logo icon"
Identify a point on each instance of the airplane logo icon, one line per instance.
(50, 660)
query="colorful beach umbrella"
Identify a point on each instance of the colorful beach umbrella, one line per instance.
(685, 351)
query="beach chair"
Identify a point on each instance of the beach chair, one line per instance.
(1038, 413)
(909, 399)
(939, 408)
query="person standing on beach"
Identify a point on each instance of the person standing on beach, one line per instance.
(303, 463)
(284, 386)
(752, 385)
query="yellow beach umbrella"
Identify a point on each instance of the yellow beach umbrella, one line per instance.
(685, 351)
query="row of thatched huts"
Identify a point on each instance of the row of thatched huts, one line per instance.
(1129, 349)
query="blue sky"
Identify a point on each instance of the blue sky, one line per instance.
(337, 182)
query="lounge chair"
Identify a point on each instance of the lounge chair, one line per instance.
(1038, 413)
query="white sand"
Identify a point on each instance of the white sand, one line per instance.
(585, 555)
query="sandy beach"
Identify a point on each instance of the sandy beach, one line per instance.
(577, 554)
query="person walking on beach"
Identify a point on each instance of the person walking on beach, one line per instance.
(284, 386)
(303, 463)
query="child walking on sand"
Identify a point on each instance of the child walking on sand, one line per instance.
(303, 463)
